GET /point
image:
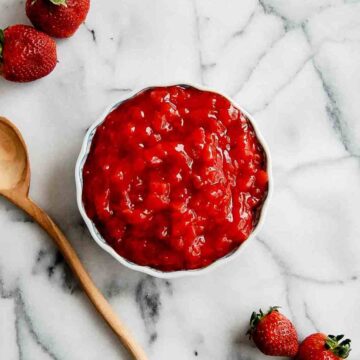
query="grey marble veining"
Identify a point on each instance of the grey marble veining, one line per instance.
(295, 65)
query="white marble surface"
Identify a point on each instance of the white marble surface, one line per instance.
(295, 64)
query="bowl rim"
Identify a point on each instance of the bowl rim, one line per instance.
(85, 148)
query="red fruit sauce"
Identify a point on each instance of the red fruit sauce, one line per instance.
(175, 178)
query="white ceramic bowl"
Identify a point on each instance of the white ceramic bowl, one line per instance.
(145, 269)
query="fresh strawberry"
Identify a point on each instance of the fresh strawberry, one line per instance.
(26, 54)
(273, 333)
(322, 347)
(58, 18)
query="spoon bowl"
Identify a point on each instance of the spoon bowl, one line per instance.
(14, 186)
(14, 164)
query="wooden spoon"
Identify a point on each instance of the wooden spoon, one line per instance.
(14, 185)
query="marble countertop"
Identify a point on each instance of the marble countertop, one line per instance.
(295, 65)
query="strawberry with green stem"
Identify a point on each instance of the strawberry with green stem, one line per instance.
(324, 347)
(273, 333)
(57, 18)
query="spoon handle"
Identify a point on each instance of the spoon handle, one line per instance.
(93, 293)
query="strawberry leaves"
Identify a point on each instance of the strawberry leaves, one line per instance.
(59, 2)
(341, 349)
(55, 2)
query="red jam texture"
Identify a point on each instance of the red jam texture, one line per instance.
(175, 178)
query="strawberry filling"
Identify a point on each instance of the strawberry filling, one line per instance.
(175, 178)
